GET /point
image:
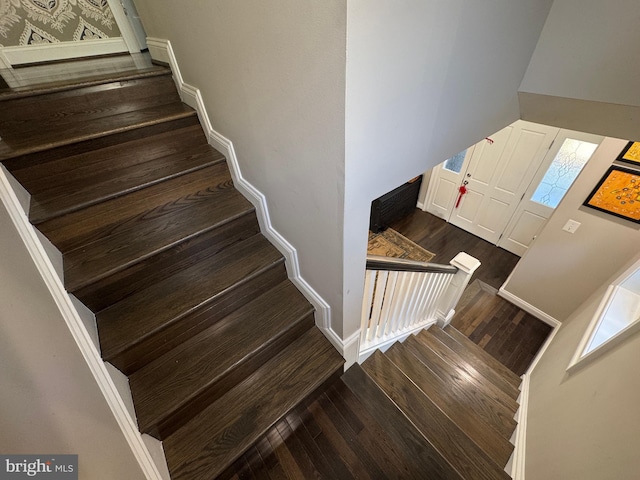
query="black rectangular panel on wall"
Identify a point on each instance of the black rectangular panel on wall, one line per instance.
(394, 205)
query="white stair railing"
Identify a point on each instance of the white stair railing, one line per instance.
(405, 296)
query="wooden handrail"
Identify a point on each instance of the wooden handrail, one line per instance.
(375, 262)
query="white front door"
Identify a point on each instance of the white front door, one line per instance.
(514, 181)
(560, 167)
(499, 171)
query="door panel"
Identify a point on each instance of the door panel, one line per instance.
(498, 174)
(571, 150)
(442, 192)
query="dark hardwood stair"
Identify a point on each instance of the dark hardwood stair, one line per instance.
(190, 300)
(200, 370)
(443, 399)
(410, 412)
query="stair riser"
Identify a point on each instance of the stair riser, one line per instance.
(117, 287)
(173, 420)
(455, 360)
(33, 113)
(153, 346)
(15, 164)
(490, 410)
(452, 443)
(61, 86)
(95, 165)
(463, 414)
(192, 193)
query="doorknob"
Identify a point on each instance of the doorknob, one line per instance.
(469, 175)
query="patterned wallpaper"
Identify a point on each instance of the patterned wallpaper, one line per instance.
(30, 22)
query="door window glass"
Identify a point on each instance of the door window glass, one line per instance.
(568, 163)
(454, 164)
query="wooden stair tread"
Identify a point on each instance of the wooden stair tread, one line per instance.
(467, 388)
(459, 363)
(451, 442)
(90, 129)
(163, 125)
(483, 355)
(487, 371)
(117, 286)
(148, 311)
(64, 83)
(212, 440)
(215, 358)
(76, 182)
(424, 456)
(493, 443)
(103, 239)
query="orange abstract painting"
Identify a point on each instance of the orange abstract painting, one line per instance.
(630, 153)
(618, 193)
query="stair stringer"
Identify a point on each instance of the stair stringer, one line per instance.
(161, 50)
(147, 451)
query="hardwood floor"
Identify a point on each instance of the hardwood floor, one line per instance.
(446, 241)
(508, 333)
(503, 330)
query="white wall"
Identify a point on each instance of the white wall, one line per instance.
(584, 73)
(49, 400)
(425, 79)
(584, 425)
(560, 270)
(272, 77)
(588, 50)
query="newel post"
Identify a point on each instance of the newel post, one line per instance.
(466, 265)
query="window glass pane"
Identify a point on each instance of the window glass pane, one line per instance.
(454, 164)
(572, 156)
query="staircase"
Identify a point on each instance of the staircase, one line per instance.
(191, 302)
(434, 407)
(442, 397)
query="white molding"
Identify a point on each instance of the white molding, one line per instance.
(122, 20)
(527, 307)
(61, 51)
(397, 337)
(4, 63)
(519, 452)
(162, 50)
(78, 330)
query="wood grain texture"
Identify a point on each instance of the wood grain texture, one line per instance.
(426, 457)
(168, 391)
(84, 180)
(459, 363)
(477, 363)
(38, 141)
(222, 432)
(507, 333)
(484, 356)
(466, 388)
(86, 146)
(450, 441)
(144, 315)
(191, 301)
(456, 408)
(114, 288)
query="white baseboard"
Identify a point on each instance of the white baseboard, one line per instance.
(61, 51)
(518, 457)
(161, 50)
(80, 334)
(527, 307)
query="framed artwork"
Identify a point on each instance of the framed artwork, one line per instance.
(630, 154)
(617, 193)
